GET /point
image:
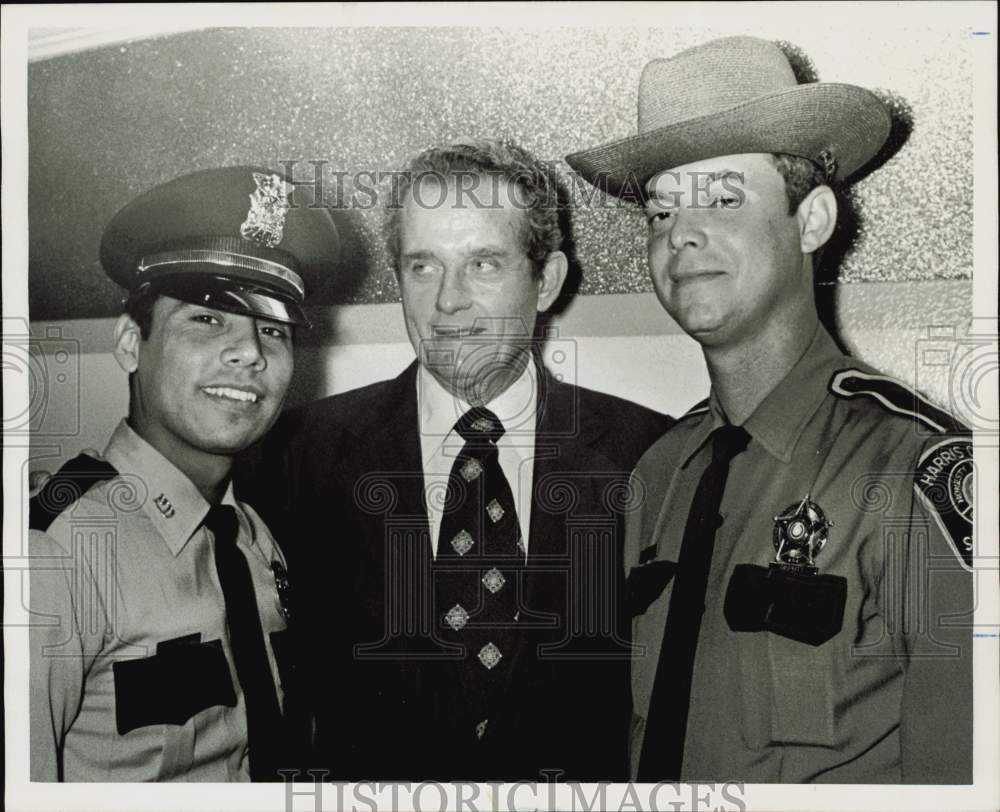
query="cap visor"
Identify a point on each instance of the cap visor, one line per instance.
(227, 295)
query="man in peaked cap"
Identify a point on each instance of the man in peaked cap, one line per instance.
(801, 568)
(159, 647)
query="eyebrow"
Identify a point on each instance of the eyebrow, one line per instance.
(710, 177)
(411, 255)
(488, 252)
(725, 173)
(481, 252)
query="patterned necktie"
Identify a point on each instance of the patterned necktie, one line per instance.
(477, 570)
(666, 722)
(246, 639)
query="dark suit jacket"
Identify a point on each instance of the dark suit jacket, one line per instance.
(340, 483)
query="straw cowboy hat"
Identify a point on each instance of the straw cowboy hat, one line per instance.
(730, 96)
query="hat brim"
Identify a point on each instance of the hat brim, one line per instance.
(803, 120)
(229, 295)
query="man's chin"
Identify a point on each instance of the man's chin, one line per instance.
(228, 443)
(476, 389)
(701, 323)
(709, 333)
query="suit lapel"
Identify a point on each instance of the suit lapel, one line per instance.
(387, 451)
(564, 486)
(389, 506)
(565, 434)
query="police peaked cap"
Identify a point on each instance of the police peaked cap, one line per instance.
(240, 239)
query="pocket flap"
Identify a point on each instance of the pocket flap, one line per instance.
(181, 679)
(646, 583)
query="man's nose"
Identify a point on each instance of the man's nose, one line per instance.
(453, 294)
(688, 230)
(243, 347)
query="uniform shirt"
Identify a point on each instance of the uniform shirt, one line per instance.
(125, 569)
(888, 699)
(440, 443)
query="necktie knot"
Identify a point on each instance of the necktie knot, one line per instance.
(221, 520)
(479, 425)
(728, 441)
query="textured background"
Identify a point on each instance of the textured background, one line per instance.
(107, 124)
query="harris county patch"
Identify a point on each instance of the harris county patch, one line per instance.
(944, 482)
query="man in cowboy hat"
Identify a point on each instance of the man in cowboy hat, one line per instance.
(159, 639)
(801, 569)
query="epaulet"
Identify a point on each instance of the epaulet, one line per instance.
(699, 408)
(69, 483)
(896, 397)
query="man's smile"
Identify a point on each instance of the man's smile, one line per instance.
(231, 393)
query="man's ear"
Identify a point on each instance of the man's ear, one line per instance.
(127, 340)
(817, 216)
(552, 278)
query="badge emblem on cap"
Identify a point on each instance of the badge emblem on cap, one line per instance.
(800, 532)
(265, 223)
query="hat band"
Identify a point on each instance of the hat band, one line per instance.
(223, 258)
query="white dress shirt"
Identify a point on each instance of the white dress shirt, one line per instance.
(440, 443)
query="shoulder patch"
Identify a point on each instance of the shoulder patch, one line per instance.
(896, 397)
(944, 482)
(68, 484)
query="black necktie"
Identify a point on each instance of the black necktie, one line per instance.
(246, 639)
(479, 561)
(666, 723)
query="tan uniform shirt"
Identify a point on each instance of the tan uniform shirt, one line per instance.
(888, 699)
(123, 572)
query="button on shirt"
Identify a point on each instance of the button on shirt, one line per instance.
(888, 699)
(440, 443)
(124, 571)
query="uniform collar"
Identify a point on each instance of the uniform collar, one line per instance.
(779, 419)
(173, 503)
(515, 407)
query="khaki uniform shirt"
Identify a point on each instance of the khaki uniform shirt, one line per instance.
(124, 574)
(888, 698)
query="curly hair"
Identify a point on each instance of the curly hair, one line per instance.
(495, 159)
(801, 176)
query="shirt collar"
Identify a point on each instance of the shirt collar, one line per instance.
(171, 500)
(779, 419)
(515, 406)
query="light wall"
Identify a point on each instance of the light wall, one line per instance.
(623, 344)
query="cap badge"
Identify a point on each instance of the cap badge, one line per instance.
(265, 221)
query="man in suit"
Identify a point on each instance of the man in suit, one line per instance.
(455, 534)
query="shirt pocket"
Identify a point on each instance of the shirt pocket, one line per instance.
(803, 680)
(788, 691)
